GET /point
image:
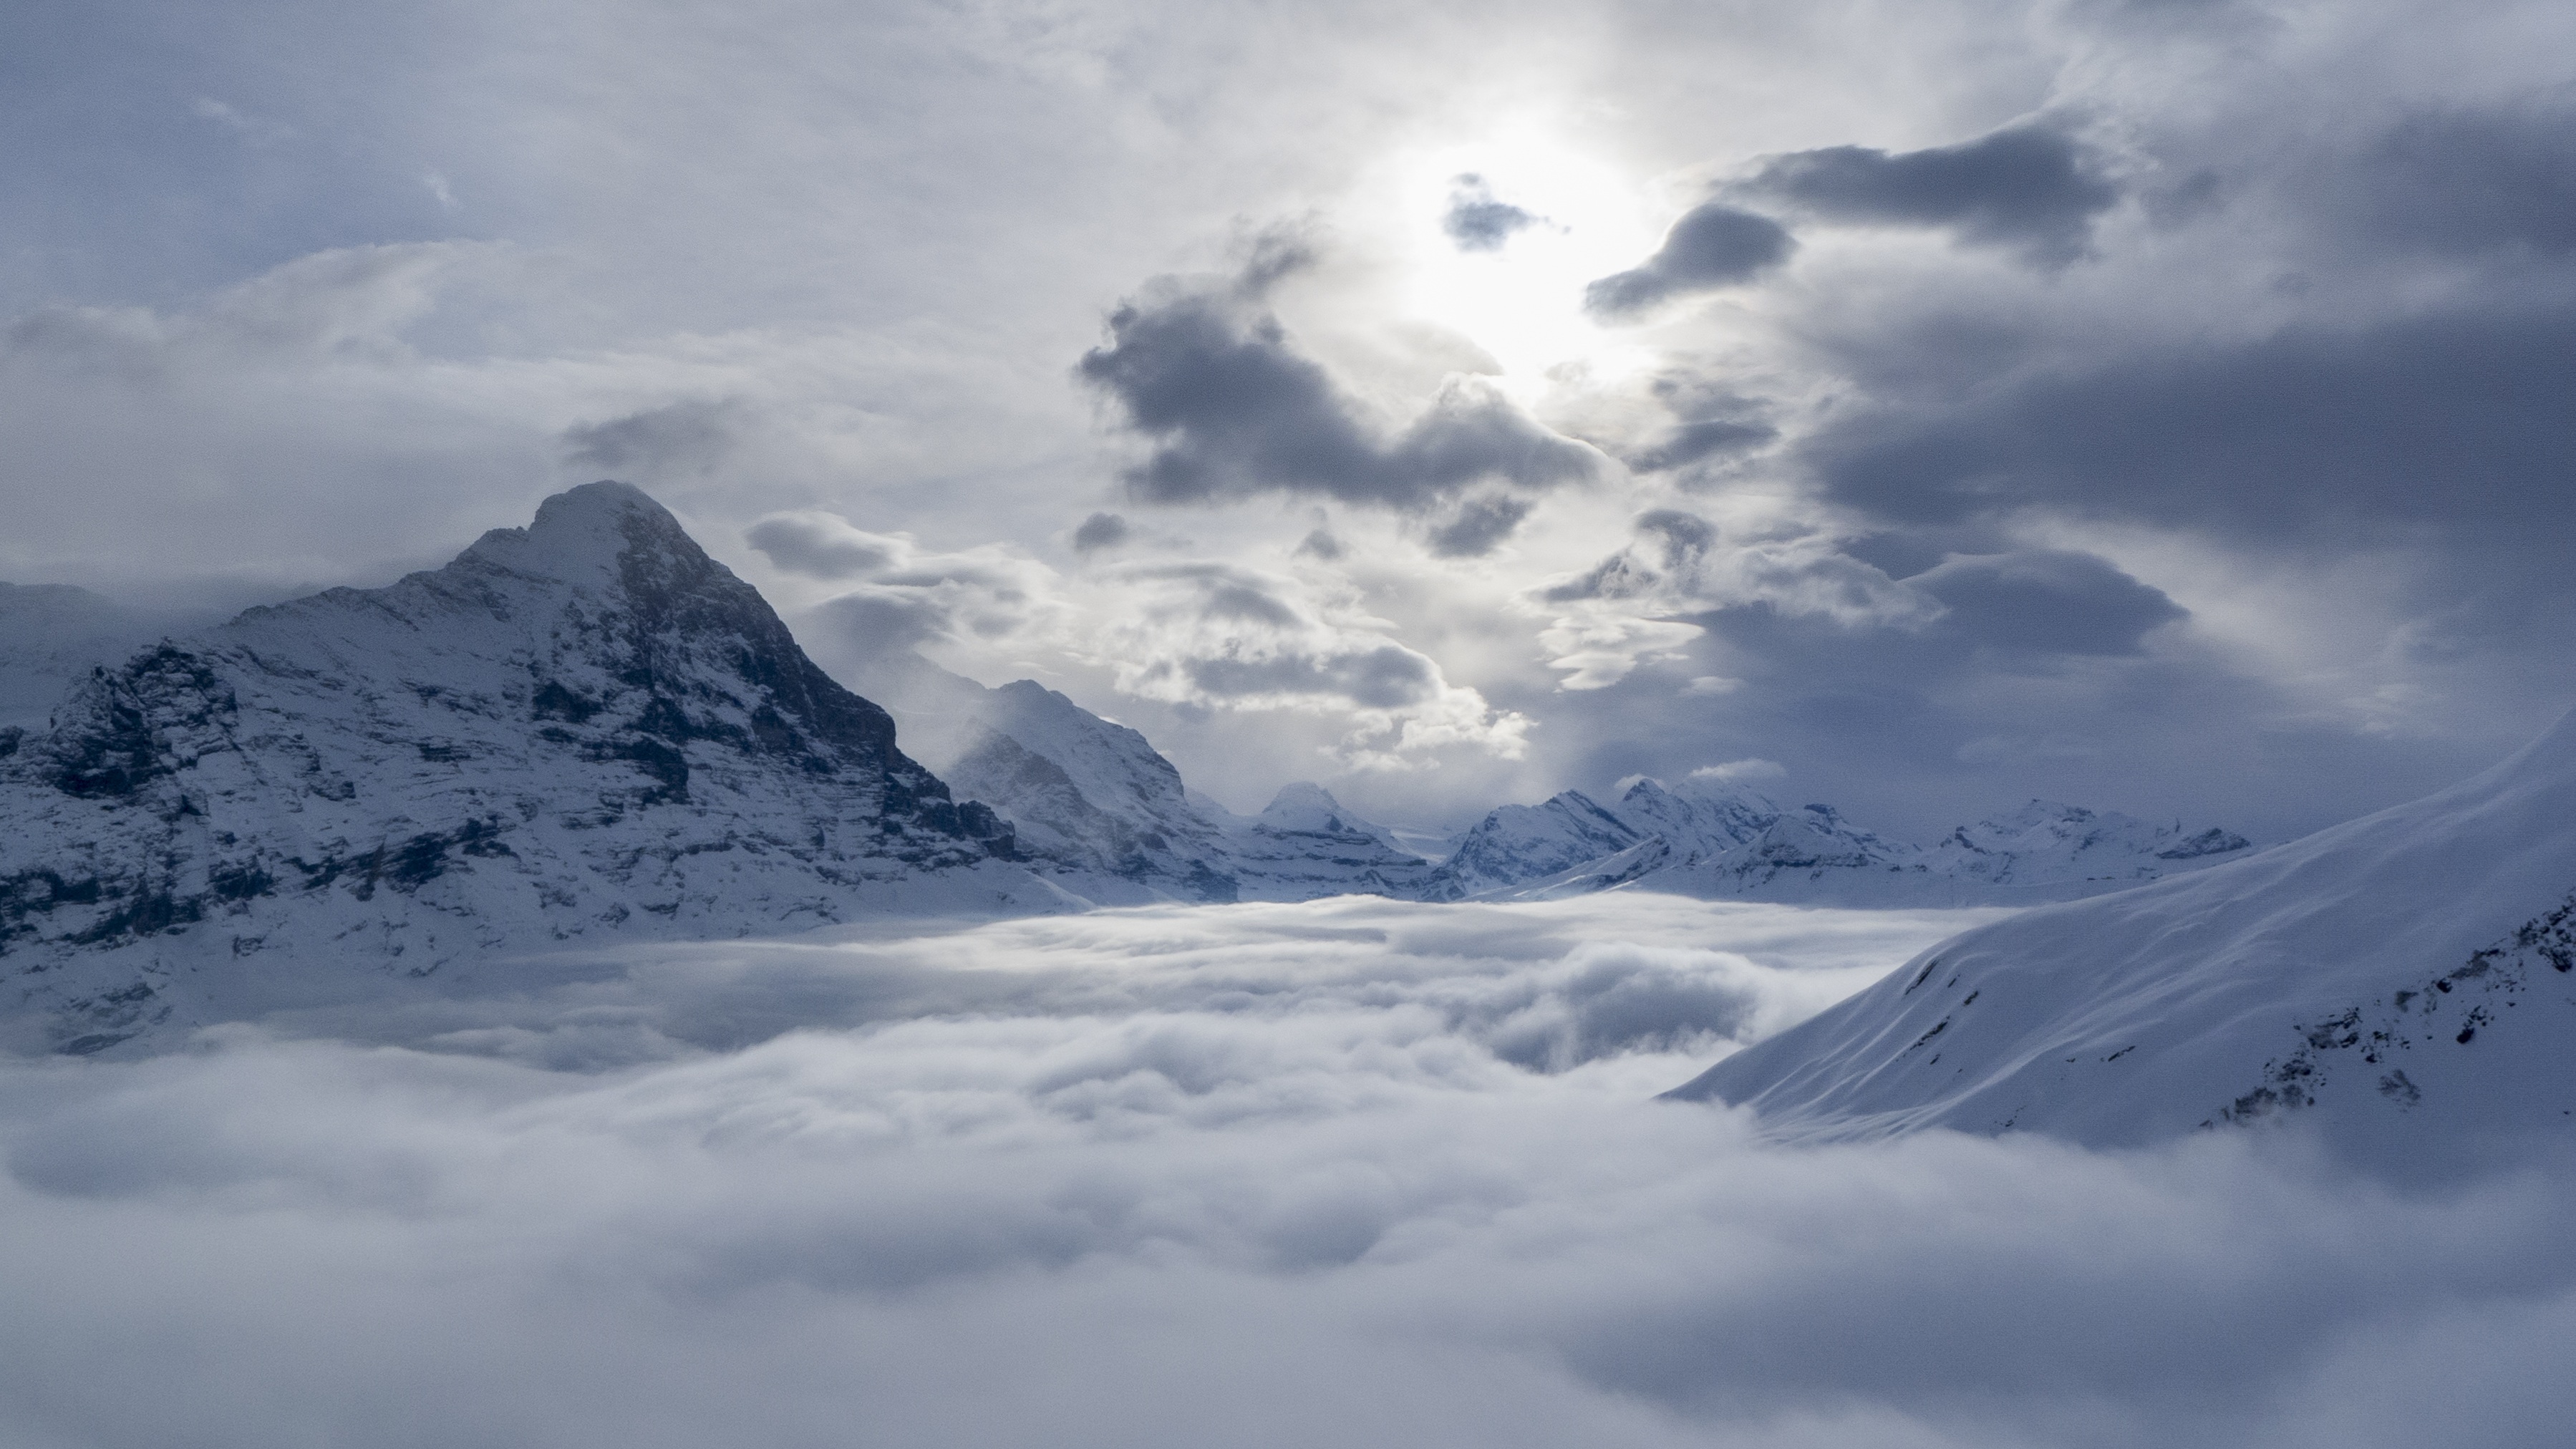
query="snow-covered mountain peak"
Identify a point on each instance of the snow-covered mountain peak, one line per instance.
(1303, 805)
(588, 535)
(584, 727)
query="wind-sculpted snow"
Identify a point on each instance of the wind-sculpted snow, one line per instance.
(584, 727)
(2404, 980)
(1353, 1172)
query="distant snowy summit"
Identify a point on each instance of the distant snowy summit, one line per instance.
(1721, 841)
(2406, 983)
(1103, 814)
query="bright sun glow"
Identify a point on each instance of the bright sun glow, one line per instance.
(1523, 300)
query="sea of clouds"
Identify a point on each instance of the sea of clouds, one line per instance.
(1354, 1172)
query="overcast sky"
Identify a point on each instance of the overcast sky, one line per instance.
(2162, 406)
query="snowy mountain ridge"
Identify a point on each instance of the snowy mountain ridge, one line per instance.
(1102, 813)
(2405, 983)
(576, 731)
(1729, 842)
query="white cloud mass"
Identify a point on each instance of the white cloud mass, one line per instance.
(1355, 1172)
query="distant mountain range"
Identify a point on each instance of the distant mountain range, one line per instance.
(587, 730)
(1727, 842)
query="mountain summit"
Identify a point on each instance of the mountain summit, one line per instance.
(579, 729)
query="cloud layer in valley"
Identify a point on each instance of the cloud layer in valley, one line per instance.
(1355, 1171)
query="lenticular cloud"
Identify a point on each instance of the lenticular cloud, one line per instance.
(1351, 1172)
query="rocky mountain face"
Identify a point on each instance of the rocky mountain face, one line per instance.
(575, 731)
(1726, 842)
(50, 636)
(2404, 984)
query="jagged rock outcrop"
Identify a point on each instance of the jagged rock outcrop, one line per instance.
(576, 731)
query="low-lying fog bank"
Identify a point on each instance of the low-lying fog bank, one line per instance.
(1353, 1172)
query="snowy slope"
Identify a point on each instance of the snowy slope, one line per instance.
(579, 730)
(2403, 981)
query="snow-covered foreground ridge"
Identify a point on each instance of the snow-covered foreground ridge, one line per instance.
(2406, 982)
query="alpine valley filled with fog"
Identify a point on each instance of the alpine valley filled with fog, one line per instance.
(1116, 724)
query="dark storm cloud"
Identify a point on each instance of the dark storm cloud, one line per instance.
(1234, 409)
(2026, 186)
(2473, 181)
(1099, 531)
(1712, 246)
(2452, 424)
(1479, 223)
(2048, 600)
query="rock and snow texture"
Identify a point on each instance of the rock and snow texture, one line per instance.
(1104, 815)
(50, 636)
(1304, 844)
(1725, 842)
(575, 730)
(2406, 981)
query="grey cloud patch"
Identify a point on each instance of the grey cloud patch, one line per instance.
(1478, 526)
(1099, 531)
(2048, 600)
(2449, 424)
(1685, 536)
(1694, 442)
(820, 546)
(2473, 181)
(1479, 223)
(1320, 544)
(1388, 676)
(1232, 409)
(677, 439)
(1714, 245)
(2025, 186)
